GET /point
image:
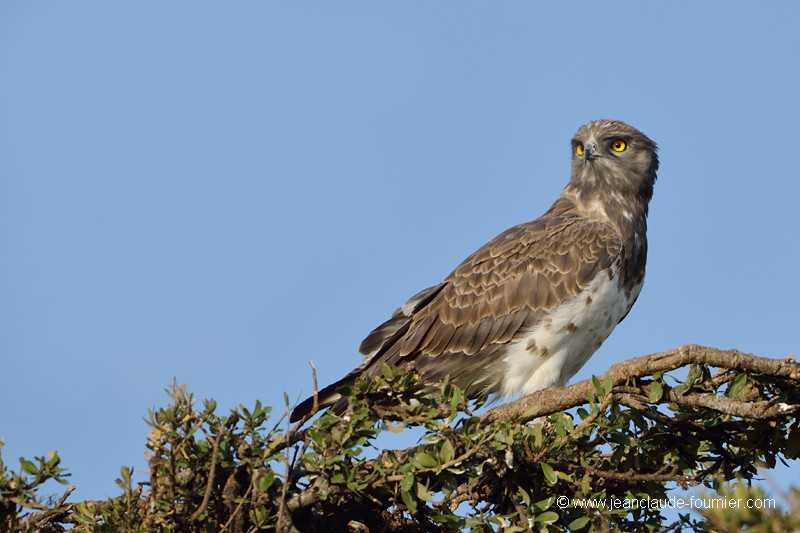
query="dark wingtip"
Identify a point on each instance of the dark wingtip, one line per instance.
(327, 397)
(302, 409)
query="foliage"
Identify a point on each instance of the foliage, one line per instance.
(20, 489)
(601, 455)
(739, 506)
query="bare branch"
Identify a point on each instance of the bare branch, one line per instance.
(210, 483)
(549, 401)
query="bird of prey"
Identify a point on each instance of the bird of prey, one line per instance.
(528, 309)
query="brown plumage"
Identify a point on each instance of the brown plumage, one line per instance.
(528, 309)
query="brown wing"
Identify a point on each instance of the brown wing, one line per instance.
(458, 327)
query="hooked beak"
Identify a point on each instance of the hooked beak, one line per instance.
(591, 151)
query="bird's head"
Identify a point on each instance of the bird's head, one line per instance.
(611, 156)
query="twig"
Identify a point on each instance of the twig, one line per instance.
(284, 510)
(238, 507)
(66, 494)
(37, 520)
(658, 477)
(210, 482)
(730, 406)
(30, 504)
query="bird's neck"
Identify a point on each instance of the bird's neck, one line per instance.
(626, 213)
(628, 217)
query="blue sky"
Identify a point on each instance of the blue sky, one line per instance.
(218, 192)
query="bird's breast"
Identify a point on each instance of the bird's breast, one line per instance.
(561, 342)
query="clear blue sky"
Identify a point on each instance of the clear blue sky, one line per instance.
(219, 192)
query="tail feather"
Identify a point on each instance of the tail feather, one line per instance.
(327, 397)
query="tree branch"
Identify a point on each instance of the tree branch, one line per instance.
(554, 400)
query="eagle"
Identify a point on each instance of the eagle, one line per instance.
(529, 308)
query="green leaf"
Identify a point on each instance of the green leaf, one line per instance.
(346, 390)
(578, 523)
(694, 374)
(266, 481)
(448, 452)
(424, 460)
(558, 424)
(656, 391)
(407, 482)
(538, 436)
(598, 387)
(543, 505)
(81, 514)
(405, 492)
(28, 466)
(738, 384)
(389, 372)
(125, 482)
(549, 474)
(546, 518)
(526, 498)
(423, 493)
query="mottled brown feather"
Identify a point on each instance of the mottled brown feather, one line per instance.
(517, 278)
(461, 326)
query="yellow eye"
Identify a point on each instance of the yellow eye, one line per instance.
(579, 149)
(618, 145)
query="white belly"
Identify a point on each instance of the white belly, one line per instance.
(562, 342)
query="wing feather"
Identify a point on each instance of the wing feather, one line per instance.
(401, 318)
(460, 326)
